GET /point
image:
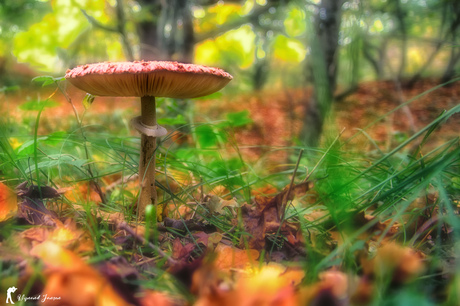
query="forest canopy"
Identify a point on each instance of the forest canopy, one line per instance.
(375, 39)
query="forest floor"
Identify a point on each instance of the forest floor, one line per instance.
(278, 115)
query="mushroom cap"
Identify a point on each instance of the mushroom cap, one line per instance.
(153, 78)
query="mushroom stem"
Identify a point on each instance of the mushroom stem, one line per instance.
(147, 159)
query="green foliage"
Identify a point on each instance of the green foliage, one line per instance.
(206, 137)
(239, 119)
(38, 105)
(47, 80)
(233, 48)
(57, 30)
(295, 22)
(178, 120)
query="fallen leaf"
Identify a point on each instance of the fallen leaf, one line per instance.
(331, 288)
(32, 209)
(263, 217)
(180, 251)
(8, 202)
(228, 257)
(71, 281)
(156, 298)
(122, 276)
(83, 192)
(66, 235)
(364, 292)
(201, 237)
(259, 286)
(216, 204)
(208, 240)
(398, 263)
(191, 225)
(276, 275)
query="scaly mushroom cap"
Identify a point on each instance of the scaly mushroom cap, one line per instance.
(155, 78)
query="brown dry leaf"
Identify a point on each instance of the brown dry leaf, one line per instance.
(208, 240)
(395, 261)
(216, 204)
(111, 217)
(180, 251)
(32, 208)
(214, 238)
(232, 258)
(264, 216)
(201, 237)
(317, 214)
(71, 281)
(254, 224)
(8, 202)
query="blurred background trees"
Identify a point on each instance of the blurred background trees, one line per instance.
(327, 45)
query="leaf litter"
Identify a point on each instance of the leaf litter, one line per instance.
(212, 267)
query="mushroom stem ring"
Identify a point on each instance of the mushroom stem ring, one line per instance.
(154, 131)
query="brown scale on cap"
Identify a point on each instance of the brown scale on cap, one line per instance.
(156, 78)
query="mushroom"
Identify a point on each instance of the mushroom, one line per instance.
(148, 80)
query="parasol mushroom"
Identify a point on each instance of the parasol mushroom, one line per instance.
(148, 80)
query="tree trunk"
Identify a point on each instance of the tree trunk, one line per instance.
(147, 30)
(449, 72)
(322, 65)
(188, 41)
(401, 16)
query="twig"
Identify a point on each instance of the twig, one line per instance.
(427, 224)
(122, 180)
(286, 196)
(124, 226)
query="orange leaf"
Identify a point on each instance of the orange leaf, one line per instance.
(70, 281)
(155, 298)
(8, 203)
(229, 257)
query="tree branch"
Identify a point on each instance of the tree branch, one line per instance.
(97, 24)
(232, 25)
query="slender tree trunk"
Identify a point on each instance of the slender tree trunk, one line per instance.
(449, 72)
(147, 30)
(188, 41)
(401, 15)
(322, 65)
(121, 26)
